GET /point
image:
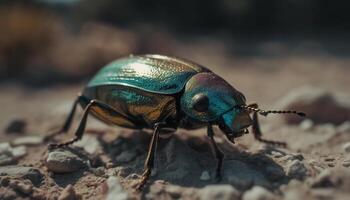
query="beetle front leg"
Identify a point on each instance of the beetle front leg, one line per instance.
(149, 163)
(257, 132)
(217, 152)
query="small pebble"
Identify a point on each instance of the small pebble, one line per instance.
(346, 163)
(64, 161)
(306, 125)
(296, 169)
(115, 190)
(346, 147)
(16, 126)
(325, 179)
(205, 176)
(89, 143)
(28, 140)
(68, 194)
(23, 188)
(9, 155)
(222, 192)
(258, 193)
(344, 127)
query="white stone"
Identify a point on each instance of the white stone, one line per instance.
(222, 192)
(205, 176)
(115, 189)
(89, 143)
(258, 193)
(306, 125)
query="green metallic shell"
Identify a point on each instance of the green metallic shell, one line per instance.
(152, 73)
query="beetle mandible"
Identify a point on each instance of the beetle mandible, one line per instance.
(165, 93)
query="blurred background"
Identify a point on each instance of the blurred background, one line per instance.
(263, 48)
(44, 42)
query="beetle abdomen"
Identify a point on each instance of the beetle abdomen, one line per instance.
(136, 108)
(152, 73)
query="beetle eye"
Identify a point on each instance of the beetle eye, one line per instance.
(200, 102)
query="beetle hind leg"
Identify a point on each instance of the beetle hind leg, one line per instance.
(257, 132)
(67, 124)
(81, 128)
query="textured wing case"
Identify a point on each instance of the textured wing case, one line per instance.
(153, 73)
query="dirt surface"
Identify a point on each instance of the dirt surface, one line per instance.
(315, 165)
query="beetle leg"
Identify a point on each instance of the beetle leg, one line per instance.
(257, 132)
(67, 124)
(217, 152)
(80, 131)
(149, 163)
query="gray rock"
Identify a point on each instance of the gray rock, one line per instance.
(219, 192)
(346, 147)
(242, 176)
(29, 173)
(258, 193)
(64, 161)
(315, 102)
(296, 169)
(28, 140)
(115, 189)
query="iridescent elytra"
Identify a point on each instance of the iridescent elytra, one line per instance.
(164, 93)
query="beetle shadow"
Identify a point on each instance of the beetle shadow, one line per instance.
(187, 160)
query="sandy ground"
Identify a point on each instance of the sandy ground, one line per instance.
(185, 159)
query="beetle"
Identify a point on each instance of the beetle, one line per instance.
(165, 93)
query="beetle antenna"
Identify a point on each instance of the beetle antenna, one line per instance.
(266, 112)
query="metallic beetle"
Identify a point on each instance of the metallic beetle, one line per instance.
(165, 93)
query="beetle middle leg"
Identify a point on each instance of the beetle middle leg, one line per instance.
(80, 131)
(257, 132)
(149, 163)
(217, 152)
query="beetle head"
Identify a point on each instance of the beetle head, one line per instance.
(209, 98)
